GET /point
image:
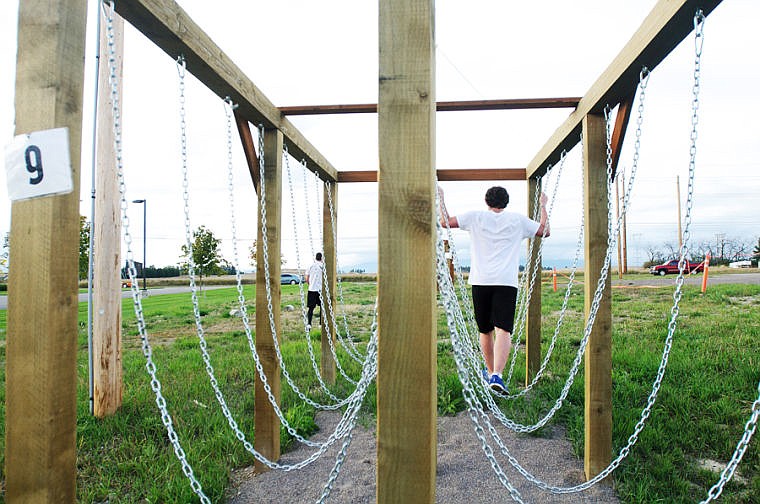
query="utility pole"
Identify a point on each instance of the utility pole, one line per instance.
(678, 195)
(617, 218)
(624, 232)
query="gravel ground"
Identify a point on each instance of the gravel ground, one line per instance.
(464, 474)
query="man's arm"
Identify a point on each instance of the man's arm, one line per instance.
(453, 222)
(543, 228)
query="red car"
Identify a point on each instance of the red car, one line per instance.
(672, 267)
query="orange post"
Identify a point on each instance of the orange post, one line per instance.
(704, 273)
(554, 279)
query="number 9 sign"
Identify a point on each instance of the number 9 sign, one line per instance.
(39, 164)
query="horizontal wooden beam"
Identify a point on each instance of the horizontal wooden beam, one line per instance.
(168, 26)
(444, 175)
(447, 106)
(663, 29)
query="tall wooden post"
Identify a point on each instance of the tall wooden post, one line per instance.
(266, 423)
(598, 359)
(106, 300)
(533, 318)
(329, 323)
(406, 382)
(41, 372)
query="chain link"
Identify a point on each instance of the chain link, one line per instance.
(150, 366)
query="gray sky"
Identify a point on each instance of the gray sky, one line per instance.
(304, 53)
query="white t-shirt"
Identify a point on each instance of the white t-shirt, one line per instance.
(495, 247)
(315, 276)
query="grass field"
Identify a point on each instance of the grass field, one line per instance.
(705, 400)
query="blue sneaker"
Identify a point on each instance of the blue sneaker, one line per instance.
(497, 385)
(486, 375)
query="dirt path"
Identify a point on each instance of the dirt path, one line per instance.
(464, 474)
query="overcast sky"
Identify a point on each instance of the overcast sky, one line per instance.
(306, 53)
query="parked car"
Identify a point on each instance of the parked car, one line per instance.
(740, 264)
(126, 284)
(672, 267)
(290, 278)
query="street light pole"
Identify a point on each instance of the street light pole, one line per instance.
(145, 239)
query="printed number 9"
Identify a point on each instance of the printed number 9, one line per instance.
(35, 167)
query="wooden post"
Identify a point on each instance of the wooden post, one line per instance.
(598, 359)
(533, 318)
(106, 300)
(406, 382)
(41, 371)
(266, 423)
(328, 322)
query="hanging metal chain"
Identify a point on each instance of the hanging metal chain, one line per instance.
(347, 340)
(741, 447)
(155, 384)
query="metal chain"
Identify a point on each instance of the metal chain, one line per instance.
(262, 205)
(350, 347)
(150, 366)
(304, 318)
(330, 312)
(534, 267)
(741, 447)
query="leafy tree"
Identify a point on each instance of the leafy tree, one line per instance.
(755, 251)
(206, 256)
(252, 255)
(84, 247)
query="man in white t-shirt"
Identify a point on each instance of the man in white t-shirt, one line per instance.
(496, 236)
(314, 278)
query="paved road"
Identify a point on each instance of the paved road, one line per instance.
(661, 281)
(656, 281)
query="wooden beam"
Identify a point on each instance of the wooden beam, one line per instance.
(447, 106)
(41, 346)
(266, 423)
(329, 300)
(533, 318)
(169, 27)
(663, 29)
(598, 357)
(249, 148)
(106, 297)
(618, 132)
(406, 381)
(444, 175)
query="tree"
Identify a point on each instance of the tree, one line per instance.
(252, 255)
(84, 247)
(756, 251)
(206, 256)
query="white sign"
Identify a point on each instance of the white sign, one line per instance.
(39, 164)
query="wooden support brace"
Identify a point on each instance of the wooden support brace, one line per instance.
(406, 382)
(266, 422)
(533, 318)
(329, 323)
(598, 358)
(41, 347)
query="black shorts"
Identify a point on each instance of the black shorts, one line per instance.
(494, 307)
(312, 299)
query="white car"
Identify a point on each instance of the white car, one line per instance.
(740, 264)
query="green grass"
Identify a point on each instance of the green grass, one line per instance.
(705, 399)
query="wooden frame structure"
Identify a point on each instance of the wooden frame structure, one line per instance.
(41, 345)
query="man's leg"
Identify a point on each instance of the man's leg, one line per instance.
(501, 349)
(310, 304)
(486, 346)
